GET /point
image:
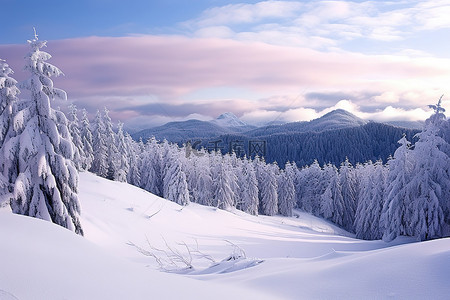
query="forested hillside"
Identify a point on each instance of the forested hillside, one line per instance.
(371, 141)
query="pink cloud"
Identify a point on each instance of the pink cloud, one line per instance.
(127, 73)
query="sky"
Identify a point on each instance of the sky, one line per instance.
(151, 62)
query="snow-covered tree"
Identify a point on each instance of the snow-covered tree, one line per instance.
(267, 186)
(348, 183)
(430, 182)
(112, 152)
(123, 155)
(249, 188)
(312, 187)
(398, 200)
(47, 183)
(175, 184)
(8, 107)
(86, 138)
(8, 100)
(371, 201)
(332, 203)
(74, 129)
(100, 163)
(223, 178)
(286, 190)
(203, 187)
(150, 162)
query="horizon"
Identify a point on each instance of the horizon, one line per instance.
(262, 60)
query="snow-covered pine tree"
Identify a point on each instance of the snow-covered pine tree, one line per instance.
(86, 138)
(249, 188)
(267, 187)
(8, 100)
(8, 107)
(123, 155)
(134, 175)
(112, 159)
(286, 190)
(332, 203)
(150, 162)
(175, 184)
(99, 164)
(398, 200)
(74, 129)
(203, 188)
(223, 177)
(430, 183)
(348, 183)
(312, 188)
(363, 213)
(47, 183)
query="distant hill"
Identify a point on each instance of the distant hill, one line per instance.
(407, 124)
(337, 119)
(183, 131)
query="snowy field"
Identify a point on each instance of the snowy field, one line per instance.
(231, 255)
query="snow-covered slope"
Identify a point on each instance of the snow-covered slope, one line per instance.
(286, 258)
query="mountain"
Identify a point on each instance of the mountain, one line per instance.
(337, 119)
(183, 131)
(229, 120)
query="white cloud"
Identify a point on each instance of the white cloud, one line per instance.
(309, 23)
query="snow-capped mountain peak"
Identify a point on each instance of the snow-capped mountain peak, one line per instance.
(229, 119)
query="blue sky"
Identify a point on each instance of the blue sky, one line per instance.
(149, 61)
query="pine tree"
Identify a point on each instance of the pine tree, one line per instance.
(151, 174)
(332, 203)
(46, 186)
(134, 175)
(430, 183)
(86, 138)
(312, 188)
(99, 163)
(398, 200)
(175, 185)
(74, 129)
(371, 201)
(286, 190)
(223, 193)
(8, 107)
(123, 155)
(348, 182)
(203, 188)
(249, 188)
(267, 187)
(112, 159)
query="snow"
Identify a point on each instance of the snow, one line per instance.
(229, 119)
(300, 257)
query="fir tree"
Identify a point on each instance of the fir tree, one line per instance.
(175, 185)
(46, 186)
(8, 107)
(123, 155)
(249, 188)
(398, 200)
(86, 137)
(74, 129)
(286, 190)
(99, 164)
